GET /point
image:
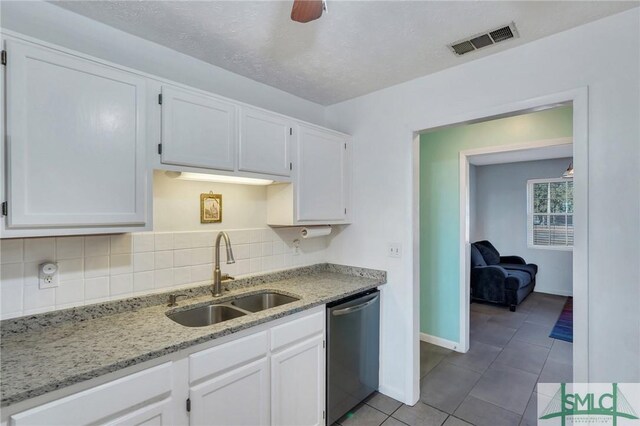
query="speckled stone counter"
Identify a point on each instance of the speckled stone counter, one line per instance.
(42, 353)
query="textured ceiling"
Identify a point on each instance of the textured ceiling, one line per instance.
(356, 48)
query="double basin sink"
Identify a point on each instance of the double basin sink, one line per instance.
(238, 307)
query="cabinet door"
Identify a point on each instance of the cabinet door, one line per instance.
(264, 142)
(322, 175)
(238, 397)
(158, 414)
(198, 130)
(76, 141)
(297, 384)
(141, 397)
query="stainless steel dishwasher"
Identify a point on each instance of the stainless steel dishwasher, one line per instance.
(353, 345)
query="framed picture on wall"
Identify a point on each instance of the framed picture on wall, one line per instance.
(210, 208)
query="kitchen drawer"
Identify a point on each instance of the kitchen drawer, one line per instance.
(94, 405)
(296, 330)
(227, 356)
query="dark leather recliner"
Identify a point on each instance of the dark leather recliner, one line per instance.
(506, 280)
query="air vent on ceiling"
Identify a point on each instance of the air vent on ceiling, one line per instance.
(485, 39)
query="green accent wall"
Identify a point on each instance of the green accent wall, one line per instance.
(440, 204)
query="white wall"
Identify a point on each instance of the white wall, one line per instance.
(501, 217)
(59, 26)
(603, 55)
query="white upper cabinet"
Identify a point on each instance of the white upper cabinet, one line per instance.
(265, 142)
(75, 142)
(198, 130)
(320, 193)
(322, 175)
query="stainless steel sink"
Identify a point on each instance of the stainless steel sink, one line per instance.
(206, 315)
(261, 301)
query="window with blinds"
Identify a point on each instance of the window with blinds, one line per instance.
(550, 213)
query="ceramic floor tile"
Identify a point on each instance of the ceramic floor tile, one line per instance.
(481, 413)
(454, 421)
(446, 386)
(493, 334)
(487, 308)
(478, 358)
(509, 319)
(383, 403)
(430, 356)
(561, 351)
(535, 334)
(556, 372)
(363, 415)
(523, 355)
(393, 422)
(505, 387)
(420, 415)
(530, 417)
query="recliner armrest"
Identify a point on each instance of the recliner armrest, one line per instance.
(517, 260)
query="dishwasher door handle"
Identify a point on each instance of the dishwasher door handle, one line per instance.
(356, 308)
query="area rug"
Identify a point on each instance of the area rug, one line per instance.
(563, 330)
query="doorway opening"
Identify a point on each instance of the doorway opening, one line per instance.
(452, 332)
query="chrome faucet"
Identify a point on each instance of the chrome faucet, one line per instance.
(216, 289)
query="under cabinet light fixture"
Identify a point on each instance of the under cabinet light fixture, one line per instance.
(204, 177)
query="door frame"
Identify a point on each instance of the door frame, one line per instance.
(465, 160)
(579, 99)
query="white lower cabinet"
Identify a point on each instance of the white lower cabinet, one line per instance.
(143, 398)
(297, 384)
(274, 376)
(238, 397)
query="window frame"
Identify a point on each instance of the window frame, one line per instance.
(530, 214)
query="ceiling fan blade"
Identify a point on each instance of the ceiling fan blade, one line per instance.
(306, 10)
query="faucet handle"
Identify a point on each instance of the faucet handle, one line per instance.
(173, 298)
(226, 277)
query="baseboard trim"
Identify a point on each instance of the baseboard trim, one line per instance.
(439, 341)
(554, 292)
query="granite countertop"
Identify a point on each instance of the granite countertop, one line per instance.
(42, 353)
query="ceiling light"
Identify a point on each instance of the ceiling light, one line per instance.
(569, 172)
(204, 177)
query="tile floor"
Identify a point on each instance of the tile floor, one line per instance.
(494, 383)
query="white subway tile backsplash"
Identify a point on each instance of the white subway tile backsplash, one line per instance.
(267, 248)
(121, 244)
(182, 240)
(70, 293)
(182, 275)
(121, 284)
(96, 289)
(143, 282)
(70, 270)
(69, 247)
(202, 272)
(99, 268)
(39, 249)
(163, 241)
(37, 300)
(121, 264)
(143, 262)
(163, 278)
(143, 242)
(11, 251)
(182, 258)
(96, 245)
(163, 259)
(96, 266)
(11, 290)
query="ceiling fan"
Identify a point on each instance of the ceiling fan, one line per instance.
(307, 10)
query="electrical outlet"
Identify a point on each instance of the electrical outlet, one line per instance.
(395, 250)
(47, 276)
(296, 247)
